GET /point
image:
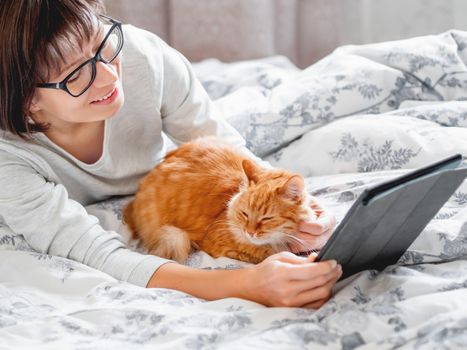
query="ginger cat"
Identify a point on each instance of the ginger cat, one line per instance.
(208, 195)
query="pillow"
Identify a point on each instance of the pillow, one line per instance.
(370, 143)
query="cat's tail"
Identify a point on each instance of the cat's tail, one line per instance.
(170, 242)
(128, 219)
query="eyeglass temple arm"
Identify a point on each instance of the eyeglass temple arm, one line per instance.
(49, 85)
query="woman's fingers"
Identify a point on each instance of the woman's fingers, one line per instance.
(289, 257)
(314, 238)
(318, 294)
(309, 242)
(313, 235)
(300, 286)
(316, 304)
(324, 223)
(308, 271)
(283, 277)
(325, 220)
(312, 257)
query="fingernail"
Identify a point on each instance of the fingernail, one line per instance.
(333, 263)
(312, 256)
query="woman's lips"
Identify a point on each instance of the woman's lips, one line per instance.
(109, 99)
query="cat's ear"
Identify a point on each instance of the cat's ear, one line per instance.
(251, 170)
(293, 188)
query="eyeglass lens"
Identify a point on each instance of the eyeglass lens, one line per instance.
(82, 78)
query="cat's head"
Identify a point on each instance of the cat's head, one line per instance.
(268, 206)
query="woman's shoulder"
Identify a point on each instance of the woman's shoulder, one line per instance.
(17, 152)
(147, 57)
(140, 43)
(143, 58)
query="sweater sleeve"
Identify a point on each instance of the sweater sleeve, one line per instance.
(54, 224)
(187, 111)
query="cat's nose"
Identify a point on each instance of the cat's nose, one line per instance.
(252, 234)
(250, 227)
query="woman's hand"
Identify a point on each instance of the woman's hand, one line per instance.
(313, 235)
(284, 279)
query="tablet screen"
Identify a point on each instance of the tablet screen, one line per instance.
(387, 218)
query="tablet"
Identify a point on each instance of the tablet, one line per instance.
(386, 218)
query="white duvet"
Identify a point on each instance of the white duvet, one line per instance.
(361, 115)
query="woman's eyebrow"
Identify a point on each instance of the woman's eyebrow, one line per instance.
(83, 59)
(68, 66)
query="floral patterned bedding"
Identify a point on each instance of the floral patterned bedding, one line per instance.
(361, 115)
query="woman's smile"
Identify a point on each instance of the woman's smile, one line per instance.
(108, 98)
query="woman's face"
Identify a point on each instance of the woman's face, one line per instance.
(102, 100)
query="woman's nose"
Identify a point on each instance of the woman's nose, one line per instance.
(106, 74)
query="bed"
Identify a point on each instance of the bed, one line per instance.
(361, 115)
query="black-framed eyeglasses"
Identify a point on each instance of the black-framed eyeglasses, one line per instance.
(77, 82)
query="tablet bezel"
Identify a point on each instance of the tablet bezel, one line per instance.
(372, 192)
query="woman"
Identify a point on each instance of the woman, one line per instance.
(68, 140)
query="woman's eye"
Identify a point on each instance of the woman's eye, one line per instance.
(74, 76)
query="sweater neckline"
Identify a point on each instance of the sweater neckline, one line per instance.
(97, 164)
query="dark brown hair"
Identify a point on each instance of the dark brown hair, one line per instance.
(35, 38)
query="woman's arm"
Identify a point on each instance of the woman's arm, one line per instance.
(54, 224)
(206, 284)
(283, 279)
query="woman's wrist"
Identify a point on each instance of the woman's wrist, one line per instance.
(206, 284)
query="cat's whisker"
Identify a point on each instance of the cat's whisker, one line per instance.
(281, 246)
(293, 239)
(300, 242)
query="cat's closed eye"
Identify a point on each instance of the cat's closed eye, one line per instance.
(266, 218)
(245, 214)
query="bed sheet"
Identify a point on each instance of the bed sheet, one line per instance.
(362, 115)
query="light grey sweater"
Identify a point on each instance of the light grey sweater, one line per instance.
(43, 189)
